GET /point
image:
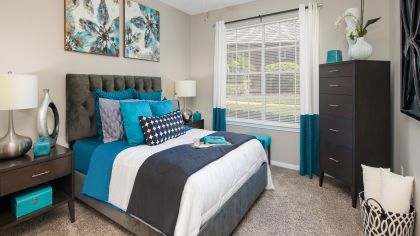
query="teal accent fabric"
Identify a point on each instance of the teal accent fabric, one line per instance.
(153, 96)
(161, 108)
(265, 140)
(130, 112)
(82, 152)
(309, 145)
(117, 95)
(219, 119)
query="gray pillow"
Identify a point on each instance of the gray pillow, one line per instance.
(112, 123)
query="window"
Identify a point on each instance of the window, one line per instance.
(263, 74)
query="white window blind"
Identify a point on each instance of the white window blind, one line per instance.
(263, 74)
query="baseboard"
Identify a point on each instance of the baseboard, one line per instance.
(284, 165)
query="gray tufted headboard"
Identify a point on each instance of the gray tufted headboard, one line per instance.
(80, 98)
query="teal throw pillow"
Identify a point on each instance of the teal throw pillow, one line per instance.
(130, 112)
(153, 96)
(161, 108)
(116, 95)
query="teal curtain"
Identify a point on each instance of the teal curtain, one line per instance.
(219, 119)
(309, 145)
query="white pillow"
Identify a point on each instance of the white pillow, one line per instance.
(372, 182)
(396, 192)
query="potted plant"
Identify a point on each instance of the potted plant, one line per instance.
(356, 30)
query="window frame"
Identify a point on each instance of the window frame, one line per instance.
(263, 124)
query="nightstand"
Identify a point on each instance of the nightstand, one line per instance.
(195, 124)
(28, 171)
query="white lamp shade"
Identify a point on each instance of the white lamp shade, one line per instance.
(18, 92)
(185, 88)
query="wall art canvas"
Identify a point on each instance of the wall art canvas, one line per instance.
(141, 31)
(410, 58)
(92, 26)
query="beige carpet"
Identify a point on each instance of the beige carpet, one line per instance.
(296, 207)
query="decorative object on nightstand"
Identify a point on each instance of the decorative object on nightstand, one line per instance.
(199, 124)
(31, 200)
(16, 92)
(42, 119)
(185, 89)
(196, 116)
(26, 172)
(42, 147)
(334, 56)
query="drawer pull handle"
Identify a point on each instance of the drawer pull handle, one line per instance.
(334, 160)
(41, 174)
(334, 71)
(333, 85)
(334, 105)
(334, 130)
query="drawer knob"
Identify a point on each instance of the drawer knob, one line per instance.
(334, 130)
(334, 105)
(41, 174)
(334, 160)
(333, 85)
(334, 71)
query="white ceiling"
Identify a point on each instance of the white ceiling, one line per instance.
(194, 7)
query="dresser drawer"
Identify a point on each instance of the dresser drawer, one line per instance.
(336, 70)
(34, 175)
(337, 161)
(336, 105)
(336, 85)
(336, 131)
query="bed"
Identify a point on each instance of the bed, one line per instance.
(222, 203)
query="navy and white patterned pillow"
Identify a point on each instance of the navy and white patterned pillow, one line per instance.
(159, 129)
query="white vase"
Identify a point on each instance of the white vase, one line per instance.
(351, 26)
(361, 49)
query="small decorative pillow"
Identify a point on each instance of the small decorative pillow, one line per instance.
(396, 192)
(161, 108)
(372, 182)
(131, 111)
(112, 123)
(116, 95)
(159, 129)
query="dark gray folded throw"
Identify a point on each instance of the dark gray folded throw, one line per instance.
(160, 181)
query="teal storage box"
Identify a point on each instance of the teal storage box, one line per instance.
(42, 147)
(28, 201)
(334, 56)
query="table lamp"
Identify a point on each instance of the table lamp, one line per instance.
(185, 89)
(16, 92)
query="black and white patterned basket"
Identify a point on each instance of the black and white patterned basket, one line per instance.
(378, 222)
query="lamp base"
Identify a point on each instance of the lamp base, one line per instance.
(186, 114)
(13, 145)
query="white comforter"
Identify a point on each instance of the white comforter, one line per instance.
(205, 191)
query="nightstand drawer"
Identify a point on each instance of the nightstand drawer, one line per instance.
(196, 124)
(30, 176)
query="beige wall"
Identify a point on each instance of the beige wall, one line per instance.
(285, 144)
(406, 137)
(32, 42)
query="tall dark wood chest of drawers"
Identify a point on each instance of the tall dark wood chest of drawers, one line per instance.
(354, 109)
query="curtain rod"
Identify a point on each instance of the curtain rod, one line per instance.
(266, 15)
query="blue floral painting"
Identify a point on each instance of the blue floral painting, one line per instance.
(141, 31)
(92, 26)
